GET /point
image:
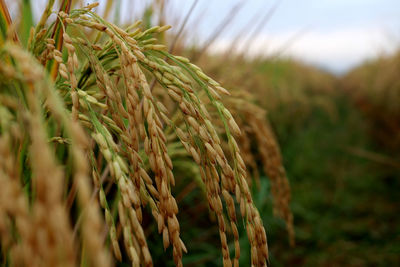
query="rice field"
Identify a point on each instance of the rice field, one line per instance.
(120, 146)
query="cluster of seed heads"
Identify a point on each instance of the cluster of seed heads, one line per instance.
(104, 112)
(257, 129)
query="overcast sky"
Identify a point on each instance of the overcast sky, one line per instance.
(333, 34)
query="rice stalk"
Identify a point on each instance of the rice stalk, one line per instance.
(92, 126)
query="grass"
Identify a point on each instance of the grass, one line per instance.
(351, 218)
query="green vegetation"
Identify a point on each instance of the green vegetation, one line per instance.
(344, 204)
(344, 175)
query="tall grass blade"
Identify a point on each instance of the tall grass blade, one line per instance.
(6, 23)
(26, 22)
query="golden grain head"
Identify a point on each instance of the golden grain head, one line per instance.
(110, 161)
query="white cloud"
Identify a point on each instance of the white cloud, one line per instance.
(337, 50)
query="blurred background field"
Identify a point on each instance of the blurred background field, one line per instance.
(337, 125)
(339, 135)
(338, 128)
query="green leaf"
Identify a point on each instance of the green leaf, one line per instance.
(27, 21)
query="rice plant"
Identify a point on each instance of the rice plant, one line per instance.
(374, 87)
(92, 117)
